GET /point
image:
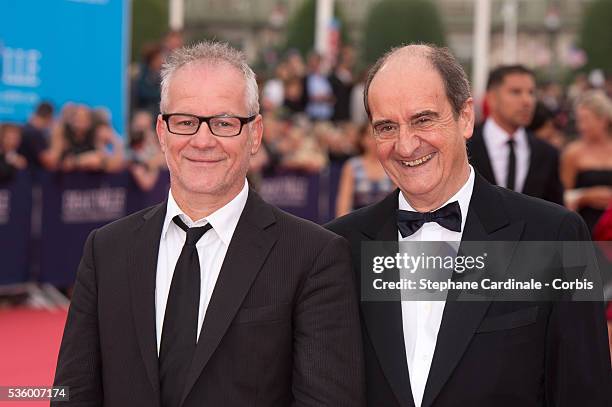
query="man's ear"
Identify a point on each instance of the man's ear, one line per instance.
(466, 119)
(160, 129)
(256, 134)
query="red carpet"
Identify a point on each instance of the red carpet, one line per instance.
(29, 343)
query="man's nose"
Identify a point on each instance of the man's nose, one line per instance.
(203, 138)
(407, 141)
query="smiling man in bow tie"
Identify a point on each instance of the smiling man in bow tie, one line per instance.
(452, 353)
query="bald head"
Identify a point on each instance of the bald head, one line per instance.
(456, 84)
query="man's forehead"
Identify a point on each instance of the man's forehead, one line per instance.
(413, 87)
(518, 77)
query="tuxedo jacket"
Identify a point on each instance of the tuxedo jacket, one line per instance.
(542, 179)
(488, 353)
(281, 328)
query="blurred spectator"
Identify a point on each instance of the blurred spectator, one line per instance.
(144, 155)
(295, 64)
(340, 141)
(294, 95)
(578, 87)
(172, 40)
(341, 81)
(543, 126)
(80, 142)
(146, 86)
(107, 141)
(359, 115)
(502, 150)
(35, 139)
(551, 95)
(10, 159)
(273, 92)
(318, 95)
(363, 180)
(586, 165)
(301, 147)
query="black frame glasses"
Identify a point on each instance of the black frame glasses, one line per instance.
(207, 119)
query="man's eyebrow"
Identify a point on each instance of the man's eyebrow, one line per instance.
(382, 121)
(424, 113)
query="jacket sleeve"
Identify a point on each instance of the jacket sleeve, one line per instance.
(577, 361)
(328, 357)
(79, 361)
(554, 188)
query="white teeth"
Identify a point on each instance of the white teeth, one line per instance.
(418, 161)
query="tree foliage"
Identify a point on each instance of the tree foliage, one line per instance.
(149, 23)
(301, 27)
(391, 23)
(596, 35)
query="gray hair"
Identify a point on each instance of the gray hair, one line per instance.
(213, 53)
(456, 83)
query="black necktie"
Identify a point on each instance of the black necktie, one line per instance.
(448, 216)
(180, 329)
(511, 165)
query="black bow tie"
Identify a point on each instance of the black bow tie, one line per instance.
(448, 216)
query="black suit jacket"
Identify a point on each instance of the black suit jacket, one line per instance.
(281, 328)
(488, 353)
(542, 180)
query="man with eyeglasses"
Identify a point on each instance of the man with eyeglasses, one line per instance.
(214, 297)
(481, 351)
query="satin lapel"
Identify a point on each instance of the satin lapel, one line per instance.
(486, 221)
(142, 270)
(250, 245)
(383, 319)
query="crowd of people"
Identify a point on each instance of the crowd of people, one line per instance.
(314, 116)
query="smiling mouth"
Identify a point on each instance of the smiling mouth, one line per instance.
(208, 161)
(418, 161)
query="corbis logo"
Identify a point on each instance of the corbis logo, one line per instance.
(5, 206)
(20, 67)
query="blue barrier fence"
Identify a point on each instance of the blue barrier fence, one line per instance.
(73, 204)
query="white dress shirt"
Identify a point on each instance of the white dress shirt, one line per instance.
(211, 248)
(496, 142)
(421, 319)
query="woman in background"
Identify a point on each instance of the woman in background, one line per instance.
(586, 164)
(363, 180)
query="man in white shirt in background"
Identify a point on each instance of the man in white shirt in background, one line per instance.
(502, 151)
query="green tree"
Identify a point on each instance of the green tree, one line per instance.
(149, 23)
(301, 27)
(596, 35)
(391, 23)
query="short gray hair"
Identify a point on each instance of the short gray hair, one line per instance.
(456, 83)
(214, 53)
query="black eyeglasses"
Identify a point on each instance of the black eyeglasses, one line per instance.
(221, 126)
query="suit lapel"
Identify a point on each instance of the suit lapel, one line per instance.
(250, 245)
(383, 319)
(142, 270)
(486, 221)
(531, 186)
(479, 156)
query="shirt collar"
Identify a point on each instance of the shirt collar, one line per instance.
(462, 196)
(224, 220)
(496, 136)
